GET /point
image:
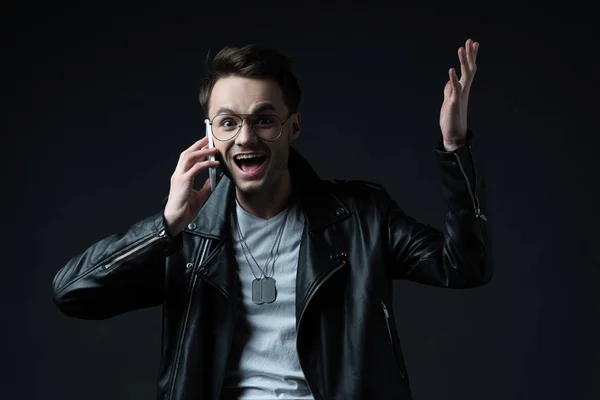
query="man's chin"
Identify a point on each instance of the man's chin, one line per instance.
(249, 187)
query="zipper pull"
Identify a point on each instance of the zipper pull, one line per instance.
(385, 310)
(479, 214)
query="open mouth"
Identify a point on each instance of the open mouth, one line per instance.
(249, 163)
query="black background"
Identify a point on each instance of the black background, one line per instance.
(100, 101)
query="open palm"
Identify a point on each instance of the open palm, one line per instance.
(453, 114)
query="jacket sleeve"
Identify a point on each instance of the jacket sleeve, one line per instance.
(119, 273)
(459, 256)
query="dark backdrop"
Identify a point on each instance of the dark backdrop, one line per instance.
(100, 103)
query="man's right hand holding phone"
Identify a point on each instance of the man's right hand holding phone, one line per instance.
(184, 201)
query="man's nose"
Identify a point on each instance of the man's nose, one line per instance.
(246, 135)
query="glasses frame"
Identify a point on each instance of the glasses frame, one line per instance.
(244, 117)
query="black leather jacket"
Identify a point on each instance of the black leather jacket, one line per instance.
(355, 242)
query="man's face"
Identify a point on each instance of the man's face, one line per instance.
(254, 163)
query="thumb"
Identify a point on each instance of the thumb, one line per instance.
(206, 186)
(448, 90)
(454, 82)
(204, 192)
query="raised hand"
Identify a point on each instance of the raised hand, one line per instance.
(453, 115)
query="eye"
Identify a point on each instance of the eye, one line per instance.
(263, 120)
(228, 123)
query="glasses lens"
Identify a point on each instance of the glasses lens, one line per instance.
(226, 126)
(266, 126)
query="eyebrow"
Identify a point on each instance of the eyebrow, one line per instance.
(259, 109)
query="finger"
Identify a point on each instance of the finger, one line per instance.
(454, 81)
(475, 50)
(198, 168)
(469, 52)
(197, 145)
(198, 155)
(464, 68)
(189, 157)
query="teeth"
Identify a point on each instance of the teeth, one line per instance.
(247, 156)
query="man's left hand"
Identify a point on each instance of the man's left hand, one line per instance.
(453, 115)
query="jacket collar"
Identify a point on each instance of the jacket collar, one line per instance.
(319, 205)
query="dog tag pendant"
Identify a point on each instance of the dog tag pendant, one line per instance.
(268, 290)
(257, 291)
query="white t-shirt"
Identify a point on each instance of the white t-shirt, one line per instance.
(264, 363)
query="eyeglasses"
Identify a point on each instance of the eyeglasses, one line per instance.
(225, 127)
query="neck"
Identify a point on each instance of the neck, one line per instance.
(267, 203)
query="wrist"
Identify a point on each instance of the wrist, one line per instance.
(172, 226)
(453, 145)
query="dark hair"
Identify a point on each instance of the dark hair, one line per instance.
(251, 61)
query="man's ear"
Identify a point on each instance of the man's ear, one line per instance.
(294, 127)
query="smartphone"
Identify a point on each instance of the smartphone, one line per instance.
(212, 172)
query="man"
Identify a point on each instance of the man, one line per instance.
(279, 284)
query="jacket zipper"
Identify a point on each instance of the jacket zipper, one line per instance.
(327, 277)
(474, 199)
(228, 352)
(185, 319)
(389, 329)
(234, 311)
(162, 234)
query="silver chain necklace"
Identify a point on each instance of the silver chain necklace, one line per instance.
(264, 288)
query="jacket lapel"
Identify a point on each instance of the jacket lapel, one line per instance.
(212, 223)
(321, 246)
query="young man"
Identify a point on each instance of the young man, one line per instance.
(279, 284)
